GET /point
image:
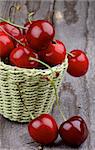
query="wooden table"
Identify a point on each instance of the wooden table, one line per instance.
(75, 25)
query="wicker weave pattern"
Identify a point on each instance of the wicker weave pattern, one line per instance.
(29, 86)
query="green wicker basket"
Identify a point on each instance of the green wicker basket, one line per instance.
(27, 87)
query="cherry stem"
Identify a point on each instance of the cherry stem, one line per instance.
(12, 37)
(56, 94)
(52, 83)
(29, 17)
(32, 117)
(17, 7)
(13, 23)
(72, 55)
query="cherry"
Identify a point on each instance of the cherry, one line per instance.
(55, 54)
(43, 129)
(78, 63)
(74, 131)
(6, 45)
(20, 57)
(12, 30)
(40, 34)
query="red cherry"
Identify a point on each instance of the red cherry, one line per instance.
(74, 131)
(55, 54)
(78, 63)
(40, 34)
(12, 30)
(20, 57)
(6, 45)
(43, 129)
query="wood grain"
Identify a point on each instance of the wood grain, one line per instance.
(74, 22)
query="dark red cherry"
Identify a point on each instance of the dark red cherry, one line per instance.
(20, 57)
(43, 129)
(55, 54)
(6, 45)
(40, 34)
(78, 63)
(12, 30)
(74, 131)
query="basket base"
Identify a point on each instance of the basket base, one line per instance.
(25, 119)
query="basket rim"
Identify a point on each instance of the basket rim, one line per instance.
(15, 69)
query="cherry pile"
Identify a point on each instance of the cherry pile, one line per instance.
(36, 40)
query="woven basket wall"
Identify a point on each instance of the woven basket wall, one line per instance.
(27, 86)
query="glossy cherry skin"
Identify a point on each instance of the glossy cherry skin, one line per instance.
(78, 64)
(43, 129)
(74, 131)
(55, 54)
(20, 57)
(6, 45)
(40, 34)
(12, 30)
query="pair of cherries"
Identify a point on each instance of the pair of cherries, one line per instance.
(44, 130)
(36, 41)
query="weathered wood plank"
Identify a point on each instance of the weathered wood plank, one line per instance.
(75, 25)
(90, 48)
